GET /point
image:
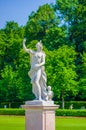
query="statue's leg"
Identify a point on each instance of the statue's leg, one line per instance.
(38, 75)
(34, 90)
(32, 75)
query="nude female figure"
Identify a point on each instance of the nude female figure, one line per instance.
(37, 72)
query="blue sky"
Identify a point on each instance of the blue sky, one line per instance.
(18, 10)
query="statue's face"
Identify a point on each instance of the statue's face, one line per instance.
(38, 46)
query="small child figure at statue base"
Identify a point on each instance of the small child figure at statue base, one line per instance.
(50, 93)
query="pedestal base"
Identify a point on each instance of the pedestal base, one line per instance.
(40, 115)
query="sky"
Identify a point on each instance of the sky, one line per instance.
(18, 10)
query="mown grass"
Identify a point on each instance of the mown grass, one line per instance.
(70, 123)
(18, 123)
(12, 123)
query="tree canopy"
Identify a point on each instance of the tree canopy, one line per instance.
(62, 29)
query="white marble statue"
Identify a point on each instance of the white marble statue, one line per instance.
(37, 72)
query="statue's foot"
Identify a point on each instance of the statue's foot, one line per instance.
(46, 98)
(40, 99)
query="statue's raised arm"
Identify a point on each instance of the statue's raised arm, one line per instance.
(24, 46)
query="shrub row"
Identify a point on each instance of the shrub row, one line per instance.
(67, 112)
(76, 104)
(59, 112)
(8, 111)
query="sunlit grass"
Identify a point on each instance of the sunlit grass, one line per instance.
(12, 123)
(18, 123)
(70, 123)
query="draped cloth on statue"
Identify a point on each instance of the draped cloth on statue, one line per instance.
(42, 81)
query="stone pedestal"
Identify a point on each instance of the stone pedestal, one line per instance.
(40, 115)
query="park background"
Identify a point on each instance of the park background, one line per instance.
(61, 26)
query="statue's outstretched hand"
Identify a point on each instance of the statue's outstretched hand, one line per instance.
(24, 40)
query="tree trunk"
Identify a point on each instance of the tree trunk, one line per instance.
(63, 102)
(9, 104)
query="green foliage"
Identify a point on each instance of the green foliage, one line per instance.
(12, 112)
(82, 81)
(2, 48)
(75, 104)
(67, 112)
(67, 8)
(61, 27)
(39, 22)
(59, 112)
(61, 71)
(8, 82)
(73, 13)
(14, 104)
(55, 38)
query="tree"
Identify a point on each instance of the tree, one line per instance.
(39, 22)
(10, 44)
(2, 48)
(55, 37)
(82, 81)
(61, 72)
(72, 14)
(14, 36)
(62, 30)
(8, 83)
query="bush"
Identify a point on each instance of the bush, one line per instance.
(59, 112)
(8, 111)
(66, 112)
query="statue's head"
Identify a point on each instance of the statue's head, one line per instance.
(39, 46)
(49, 88)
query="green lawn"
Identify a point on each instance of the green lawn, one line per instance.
(18, 123)
(12, 123)
(70, 123)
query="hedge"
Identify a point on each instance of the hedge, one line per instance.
(8, 111)
(68, 112)
(59, 112)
